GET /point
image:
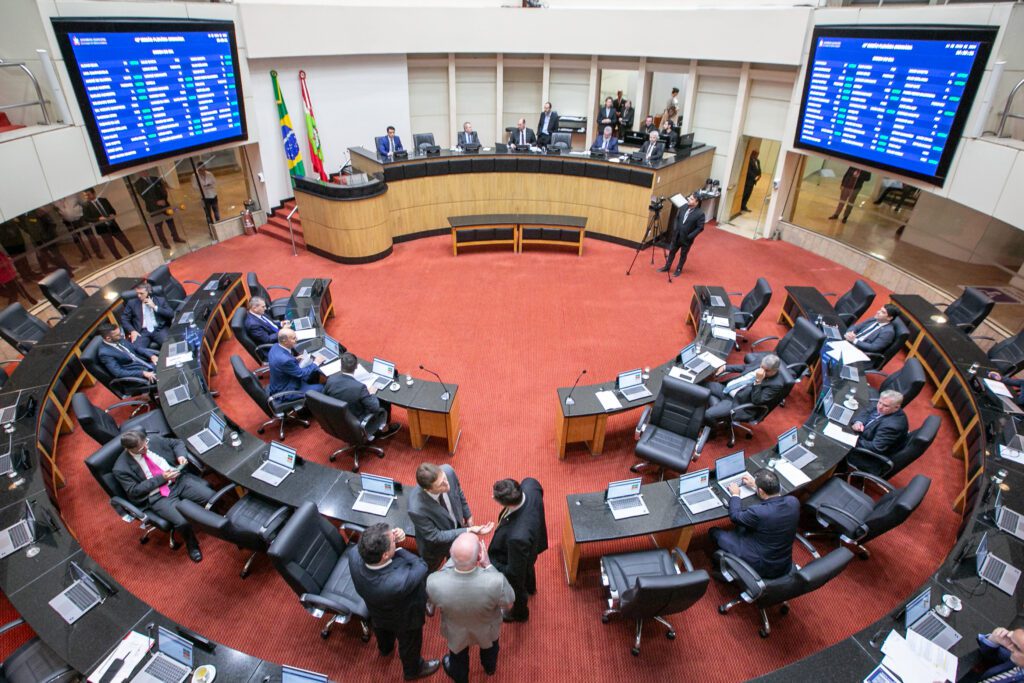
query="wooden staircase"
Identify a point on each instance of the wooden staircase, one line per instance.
(277, 225)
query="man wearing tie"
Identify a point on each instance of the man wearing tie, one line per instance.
(689, 224)
(547, 124)
(99, 211)
(389, 144)
(875, 335)
(288, 374)
(759, 384)
(522, 137)
(520, 536)
(606, 142)
(468, 136)
(120, 359)
(439, 512)
(882, 430)
(146, 319)
(260, 327)
(608, 116)
(653, 148)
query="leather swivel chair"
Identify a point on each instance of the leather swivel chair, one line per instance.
(101, 427)
(908, 380)
(21, 329)
(276, 407)
(854, 303)
(252, 523)
(853, 517)
(880, 359)
(562, 141)
(970, 310)
(34, 662)
(752, 306)
(337, 420)
(1007, 356)
(746, 415)
(166, 285)
(313, 559)
(888, 466)
(797, 349)
(123, 387)
(672, 432)
(766, 593)
(651, 584)
(63, 293)
(276, 307)
(258, 352)
(422, 141)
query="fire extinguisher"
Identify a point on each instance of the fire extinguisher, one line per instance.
(248, 222)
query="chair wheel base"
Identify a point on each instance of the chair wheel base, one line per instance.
(784, 610)
(260, 430)
(671, 635)
(761, 632)
(365, 637)
(722, 609)
(144, 540)
(748, 437)
(324, 634)
(243, 574)
(635, 651)
(605, 619)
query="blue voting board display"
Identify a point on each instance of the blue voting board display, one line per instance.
(892, 98)
(150, 90)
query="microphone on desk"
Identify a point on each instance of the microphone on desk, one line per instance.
(569, 400)
(445, 396)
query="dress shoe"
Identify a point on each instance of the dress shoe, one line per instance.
(446, 664)
(744, 209)
(428, 668)
(677, 273)
(843, 221)
(833, 216)
(388, 431)
(195, 554)
(663, 269)
(178, 240)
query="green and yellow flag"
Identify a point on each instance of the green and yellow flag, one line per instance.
(291, 144)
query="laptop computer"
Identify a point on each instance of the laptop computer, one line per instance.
(717, 301)
(328, 353)
(211, 435)
(304, 292)
(78, 598)
(692, 361)
(849, 372)
(186, 317)
(836, 412)
(177, 395)
(292, 675)
(695, 494)
(922, 620)
(831, 332)
(377, 495)
(177, 348)
(998, 572)
(302, 323)
(9, 414)
(790, 449)
(6, 461)
(19, 534)
(631, 385)
(279, 464)
(171, 664)
(1008, 520)
(730, 470)
(382, 373)
(623, 498)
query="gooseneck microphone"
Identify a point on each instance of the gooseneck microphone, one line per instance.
(569, 400)
(445, 396)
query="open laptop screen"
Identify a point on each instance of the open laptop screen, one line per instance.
(282, 455)
(331, 343)
(694, 481)
(383, 368)
(217, 426)
(375, 484)
(626, 487)
(688, 353)
(788, 439)
(630, 379)
(730, 466)
(290, 675)
(177, 648)
(982, 552)
(918, 607)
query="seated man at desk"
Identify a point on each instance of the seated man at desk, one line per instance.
(260, 327)
(361, 401)
(765, 531)
(668, 134)
(522, 137)
(124, 360)
(606, 142)
(389, 144)
(882, 429)
(146, 319)
(758, 383)
(653, 149)
(287, 373)
(874, 335)
(146, 473)
(468, 136)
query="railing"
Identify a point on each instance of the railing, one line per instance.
(291, 230)
(39, 93)
(1006, 110)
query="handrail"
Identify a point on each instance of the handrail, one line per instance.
(1006, 109)
(39, 93)
(291, 230)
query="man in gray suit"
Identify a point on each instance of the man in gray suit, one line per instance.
(471, 595)
(439, 512)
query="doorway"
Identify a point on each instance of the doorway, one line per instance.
(757, 194)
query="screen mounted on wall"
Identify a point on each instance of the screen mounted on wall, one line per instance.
(151, 89)
(892, 97)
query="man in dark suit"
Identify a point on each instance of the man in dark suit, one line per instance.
(689, 224)
(765, 533)
(153, 191)
(753, 175)
(260, 327)
(100, 212)
(468, 136)
(547, 124)
(606, 142)
(522, 137)
(124, 360)
(392, 583)
(619, 102)
(875, 335)
(608, 114)
(520, 535)
(849, 187)
(150, 472)
(439, 512)
(884, 428)
(758, 383)
(389, 144)
(648, 126)
(361, 400)
(626, 117)
(287, 373)
(146, 319)
(653, 149)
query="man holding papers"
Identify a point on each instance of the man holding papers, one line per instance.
(884, 428)
(874, 335)
(759, 384)
(361, 400)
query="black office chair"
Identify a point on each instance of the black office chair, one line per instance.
(252, 523)
(880, 359)
(313, 559)
(34, 662)
(423, 141)
(888, 466)
(853, 518)
(277, 308)
(970, 310)
(21, 329)
(166, 285)
(1007, 356)
(672, 432)
(651, 584)
(124, 388)
(751, 307)
(908, 380)
(766, 593)
(276, 407)
(63, 293)
(852, 305)
(797, 349)
(562, 141)
(258, 352)
(746, 415)
(101, 427)
(337, 420)
(101, 464)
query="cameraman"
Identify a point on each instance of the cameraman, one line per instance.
(689, 224)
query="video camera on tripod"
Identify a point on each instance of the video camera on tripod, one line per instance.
(657, 203)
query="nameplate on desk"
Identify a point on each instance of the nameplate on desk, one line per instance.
(723, 333)
(180, 358)
(306, 334)
(720, 322)
(608, 400)
(791, 473)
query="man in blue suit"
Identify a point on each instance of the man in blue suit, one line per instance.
(286, 372)
(606, 142)
(260, 327)
(121, 359)
(884, 429)
(765, 533)
(146, 318)
(389, 144)
(877, 334)
(361, 401)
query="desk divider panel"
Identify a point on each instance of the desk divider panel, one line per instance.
(529, 164)
(437, 168)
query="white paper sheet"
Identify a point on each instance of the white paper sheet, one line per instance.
(793, 474)
(940, 660)
(132, 649)
(719, 321)
(834, 431)
(723, 333)
(712, 360)
(305, 334)
(846, 352)
(608, 400)
(998, 388)
(1011, 455)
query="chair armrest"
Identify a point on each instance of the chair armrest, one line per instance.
(682, 558)
(735, 293)
(269, 287)
(271, 526)
(876, 372)
(122, 404)
(352, 526)
(828, 293)
(53, 319)
(278, 397)
(129, 383)
(66, 307)
(877, 481)
(873, 456)
(983, 337)
(217, 496)
(873, 356)
(965, 326)
(25, 346)
(826, 510)
(702, 441)
(193, 282)
(11, 624)
(94, 288)
(176, 303)
(264, 349)
(938, 304)
(762, 339)
(641, 426)
(808, 547)
(747, 317)
(734, 568)
(793, 367)
(119, 503)
(13, 360)
(313, 601)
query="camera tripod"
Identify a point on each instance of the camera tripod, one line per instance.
(654, 231)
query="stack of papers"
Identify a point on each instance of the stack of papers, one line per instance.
(834, 431)
(917, 659)
(608, 400)
(131, 650)
(719, 321)
(723, 333)
(793, 474)
(997, 388)
(845, 352)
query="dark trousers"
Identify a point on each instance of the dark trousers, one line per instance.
(112, 231)
(747, 190)
(149, 343)
(458, 662)
(50, 258)
(186, 487)
(212, 209)
(158, 225)
(520, 608)
(410, 643)
(80, 235)
(683, 248)
(847, 198)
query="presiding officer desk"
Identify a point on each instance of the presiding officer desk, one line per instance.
(416, 197)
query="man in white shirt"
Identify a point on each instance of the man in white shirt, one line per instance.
(206, 183)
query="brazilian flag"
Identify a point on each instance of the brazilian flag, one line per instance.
(291, 144)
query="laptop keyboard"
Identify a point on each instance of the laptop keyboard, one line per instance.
(275, 470)
(929, 626)
(20, 535)
(5, 463)
(632, 393)
(624, 503)
(699, 496)
(717, 301)
(164, 670)
(994, 571)
(697, 366)
(1011, 520)
(375, 498)
(208, 439)
(837, 413)
(82, 596)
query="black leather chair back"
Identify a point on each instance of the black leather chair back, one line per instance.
(91, 361)
(902, 334)
(658, 596)
(970, 309)
(852, 305)
(756, 301)
(61, 291)
(561, 140)
(21, 329)
(306, 550)
(97, 423)
(252, 283)
(918, 441)
(1008, 355)
(811, 577)
(894, 507)
(422, 140)
(679, 407)
(169, 287)
(908, 380)
(238, 328)
(336, 419)
(251, 385)
(35, 662)
(101, 464)
(800, 346)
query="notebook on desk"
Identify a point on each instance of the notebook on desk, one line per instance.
(210, 436)
(377, 495)
(836, 412)
(731, 470)
(631, 385)
(790, 449)
(695, 492)
(994, 570)
(303, 323)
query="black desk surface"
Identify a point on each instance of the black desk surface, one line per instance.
(813, 303)
(517, 218)
(955, 343)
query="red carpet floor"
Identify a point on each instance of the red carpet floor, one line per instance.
(509, 329)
